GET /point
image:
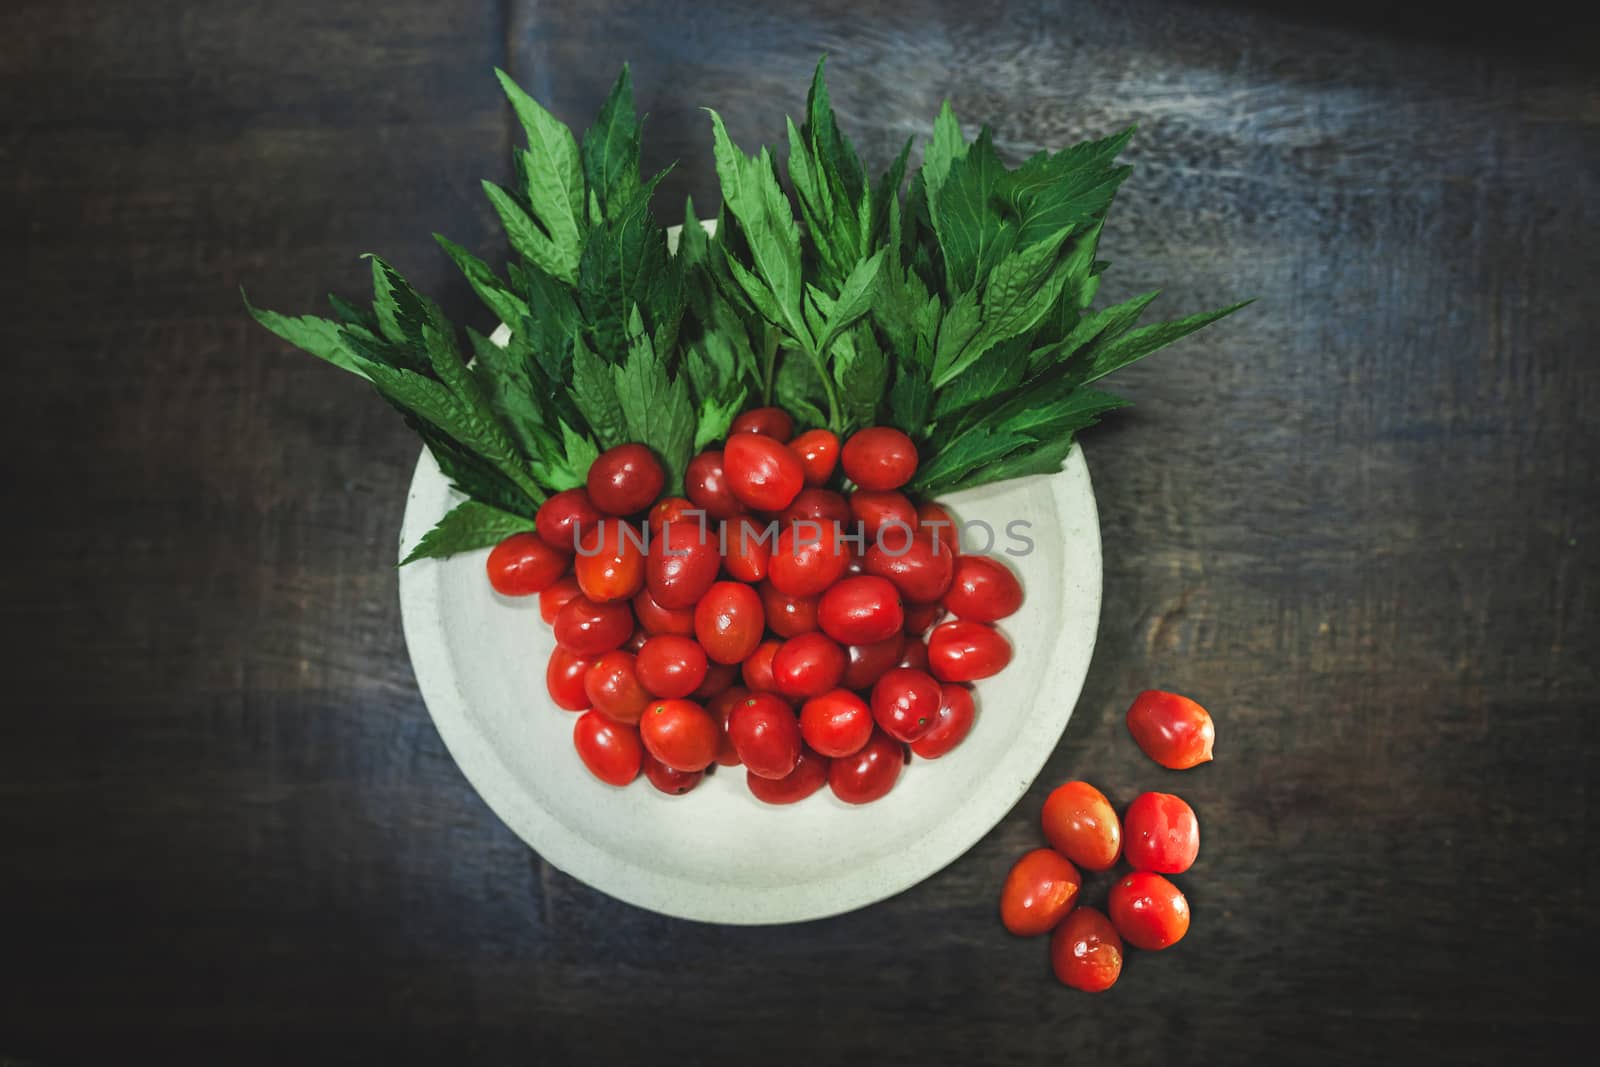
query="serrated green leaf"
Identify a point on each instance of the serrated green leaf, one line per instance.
(595, 392)
(554, 172)
(716, 416)
(656, 407)
(527, 239)
(862, 372)
(505, 376)
(467, 526)
(1000, 369)
(1114, 353)
(946, 146)
(910, 399)
(975, 448)
(626, 265)
(800, 390)
(1020, 292)
(320, 337)
(854, 300)
(496, 295)
(973, 233)
(611, 149)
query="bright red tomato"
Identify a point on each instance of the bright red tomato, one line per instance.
(935, 515)
(788, 616)
(819, 454)
(672, 509)
(757, 668)
(761, 471)
(707, 485)
(1085, 951)
(729, 621)
(906, 703)
(869, 662)
(524, 564)
(588, 628)
(771, 422)
(920, 618)
(1162, 834)
(808, 666)
(809, 774)
(806, 562)
(746, 549)
(679, 733)
(563, 678)
(610, 565)
(554, 597)
(609, 749)
(879, 458)
(837, 723)
(1041, 888)
(956, 712)
(861, 610)
(870, 773)
(966, 651)
(670, 781)
(983, 590)
(1172, 730)
(719, 676)
(875, 510)
(655, 619)
(1149, 911)
(564, 518)
(766, 735)
(1080, 823)
(921, 572)
(613, 688)
(671, 666)
(625, 480)
(821, 506)
(721, 708)
(914, 655)
(683, 562)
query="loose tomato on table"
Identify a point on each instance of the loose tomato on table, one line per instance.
(875, 510)
(905, 703)
(610, 749)
(655, 619)
(554, 597)
(809, 775)
(869, 774)
(761, 471)
(613, 688)
(1080, 823)
(588, 628)
(861, 610)
(610, 562)
(729, 622)
(1085, 951)
(869, 662)
(524, 564)
(1038, 892)
(756, 670)
(683, 561)
(1160, 833)
(922, 571)
(950, 728)
(819, 454)
(1171, 729)
(770, 422)
(564, 678)
(625, 480)
(706, 484)
(808, 666)
(982, 590)
(966, 651)
(837, 723)
(1149, 911)
(564, 518)
(670, 781)
(879, 458)
(765, 734)
(787, 616)
(746, 547)
(806, 562)
(671, 666)
(679, 733)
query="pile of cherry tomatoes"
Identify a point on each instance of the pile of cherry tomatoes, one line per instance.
(1158, 835)
(767, 619)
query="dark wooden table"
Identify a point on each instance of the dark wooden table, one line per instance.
(1359, 520)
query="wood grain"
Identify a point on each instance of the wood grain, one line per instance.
(1357, 520)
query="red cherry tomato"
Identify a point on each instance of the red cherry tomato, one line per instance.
(564, 518)
(805, 562)
(625, 480)
(1172, 730)
(819, 454)
(757, 668)
(719, 676)
(707, 485)
(671, 666)
(983, 590)
(920, 618)
(588, 628)
(821, 506)
(771, 422)
(837, 723)
(1149, 911)
(914, 655)
(808, 776)
(879, 458)
(679, 733)
(921, 572)
(656, 619)
(669, 781)
(766, 735)
(683, 562)
(1041, 888)
(870, 773)
(610, 564)
(869, 662)
(956, 712)
(906, 703)
(523, 564)
(761, 471)
(788, 616)
(746, 549)
(612, 687)
(933, 514)
(861, 610)
(1162, 834)
(808, 666)
(721, 708)
(1080, 824)
(554, 597)
(563, 679)
(1085, 951)
(729, 621)
(673, 509)
(609, 749)
(966, 651)
(875, 510)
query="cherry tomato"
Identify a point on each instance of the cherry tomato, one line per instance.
(808, 666)
(683, 562)
(671, 509)
(914, 655)
(805, 562)
(966, 651)
(719, 676)
(1080, 823)
(1041, 888)
(869, 774)
(721, 708)
(874, 510)
(563, 679)
(524, 564)
(771, 422)
(809, 774)
(837, 723)
(656, 619)
(920, 618)
(906, 703)
(766, 735)
(625, 480)
(1162, 834)
(554, 597)
(788, 616)
(761, 471)
(671, 666)
(612, 687)
(679, 733)
(879, 458)
(819, 454)
(746, 549)
(610, 564)
(564, 518)
(608, 748)
(869, 662)
(935, 515)
(1149, 911)
(983, 589)
(956, 712)
(921, 572)
(669, 781)
(757, 668)
(821, 506)
(861, 610)
(729, 621)
(588, 628)
(1172, 730)
(1085, 951)
(707, 485)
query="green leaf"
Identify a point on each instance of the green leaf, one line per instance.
(800, 390)
(320, 337)
(854, 300)
(715, 418)
(656, 408)
(946, 146)
(1136, 344)
(554, 175)
(611, 149)
(529, 241)
(984, 444)
(862, 371)
(834, 151)
(999, 370)
(625, 265)
(595, 392)
(505, 377)
(467, 526)
(909, 399)
(972, 231)
(494, 293)
(1020, 291)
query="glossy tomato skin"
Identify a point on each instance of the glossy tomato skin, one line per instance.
(1085, 951)
(610, 750)
(875, 510)
(729, 622)
(746, 547)
(756, 670)
(669, 781)
(762, 473)
(914, 655)
(809, 775)
(869, 774)
(524, 564)
(936, 516)
(861, 610)
(837, 723)
(655, 619)
(879, 458)
(625, 480)
(672, 509)
(982, 590)
(610, 563)
(1041, 888)
(1160, 834)
(954, 723)
(905, 703)
(821, 506)
(612, 687)
(765, 734)
(563, 678)
(1080, 823)
(636, 642)
(787, 616)
(554, 597)
(679, 733)
(808, 666)
(721, 708)
(684, 560)
(770, 422)
(1148, 911)
(707, 485)
(588, 628)
(719, 676)
(804, 563)
(920, 618)
(819, 454)
(869, 662)
(671, 666)
(966, 651)
(921, 572)
(564, 518)
(1171, 729)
